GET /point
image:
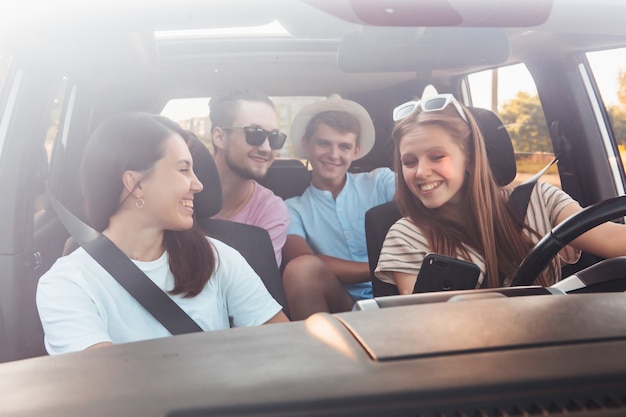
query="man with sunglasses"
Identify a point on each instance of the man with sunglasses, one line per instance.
(244, 131)
(326, 260)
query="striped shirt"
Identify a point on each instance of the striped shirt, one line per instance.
(405, 246)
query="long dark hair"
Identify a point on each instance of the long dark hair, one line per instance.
(491, 227)
(135, 141)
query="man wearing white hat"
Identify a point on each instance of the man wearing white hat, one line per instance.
(326, 253)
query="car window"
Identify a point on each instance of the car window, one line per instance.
(609, 70)
(54, 120)
(193, 114)
(5, 59)
(511, 93)
(53, 126)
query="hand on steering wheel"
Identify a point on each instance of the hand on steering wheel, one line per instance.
(550, 245)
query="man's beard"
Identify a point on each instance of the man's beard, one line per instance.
(243, 171)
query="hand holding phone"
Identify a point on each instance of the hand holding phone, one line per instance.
(443, 273)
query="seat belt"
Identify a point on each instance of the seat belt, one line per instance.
(126, 273)
(520, 198)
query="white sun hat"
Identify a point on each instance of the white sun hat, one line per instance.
(333, 103)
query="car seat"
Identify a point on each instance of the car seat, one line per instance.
(252, 242)
(379, 219)
(287, 178)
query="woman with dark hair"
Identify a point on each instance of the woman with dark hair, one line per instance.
(453, 206)
(139, 185)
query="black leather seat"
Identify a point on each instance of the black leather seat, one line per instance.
(379, 219)
(287, 178)
(252, 242)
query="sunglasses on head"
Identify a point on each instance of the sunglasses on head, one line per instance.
(436, 103)
(255, 136)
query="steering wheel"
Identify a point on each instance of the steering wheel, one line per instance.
(550, 245)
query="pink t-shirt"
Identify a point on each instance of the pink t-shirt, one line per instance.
(266, 210)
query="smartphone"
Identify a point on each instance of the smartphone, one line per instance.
(443, 273)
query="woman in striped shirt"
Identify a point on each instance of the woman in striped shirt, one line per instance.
(452, 205)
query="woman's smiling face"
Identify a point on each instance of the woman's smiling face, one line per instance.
(433, 165)
(169, 189)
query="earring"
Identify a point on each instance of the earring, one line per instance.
(139, 203)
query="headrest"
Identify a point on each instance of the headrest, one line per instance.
(207, 202)
(498, 143)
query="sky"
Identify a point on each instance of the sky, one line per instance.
(187, 108)
(606, 67)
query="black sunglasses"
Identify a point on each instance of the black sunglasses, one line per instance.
(255, 136)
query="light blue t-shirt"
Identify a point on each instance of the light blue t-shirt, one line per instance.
(337, 227)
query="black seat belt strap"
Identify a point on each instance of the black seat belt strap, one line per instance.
(520, 198)
(127, 274)
(518, 202)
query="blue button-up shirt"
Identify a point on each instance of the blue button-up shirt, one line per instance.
(337, 227)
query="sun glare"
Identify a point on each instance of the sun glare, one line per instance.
(271, 29)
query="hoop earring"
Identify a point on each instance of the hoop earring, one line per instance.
(139, 203)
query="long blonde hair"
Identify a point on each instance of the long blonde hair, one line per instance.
(490, 228)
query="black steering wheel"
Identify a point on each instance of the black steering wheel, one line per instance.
(550, 245)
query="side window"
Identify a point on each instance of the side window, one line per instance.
(52, 132)
(193, 114)
(609, 71)
(56, 111)
(510, 92)
(5, 62)
(5, 59)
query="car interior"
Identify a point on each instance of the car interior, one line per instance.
(518, 351)
(379, 219)
(251, 241)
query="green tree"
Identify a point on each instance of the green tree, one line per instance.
(617, 113)
(524, 119)
(621, 90)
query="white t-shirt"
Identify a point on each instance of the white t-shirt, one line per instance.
(80, 304)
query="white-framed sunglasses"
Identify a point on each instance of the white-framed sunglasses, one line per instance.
(435, 103)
